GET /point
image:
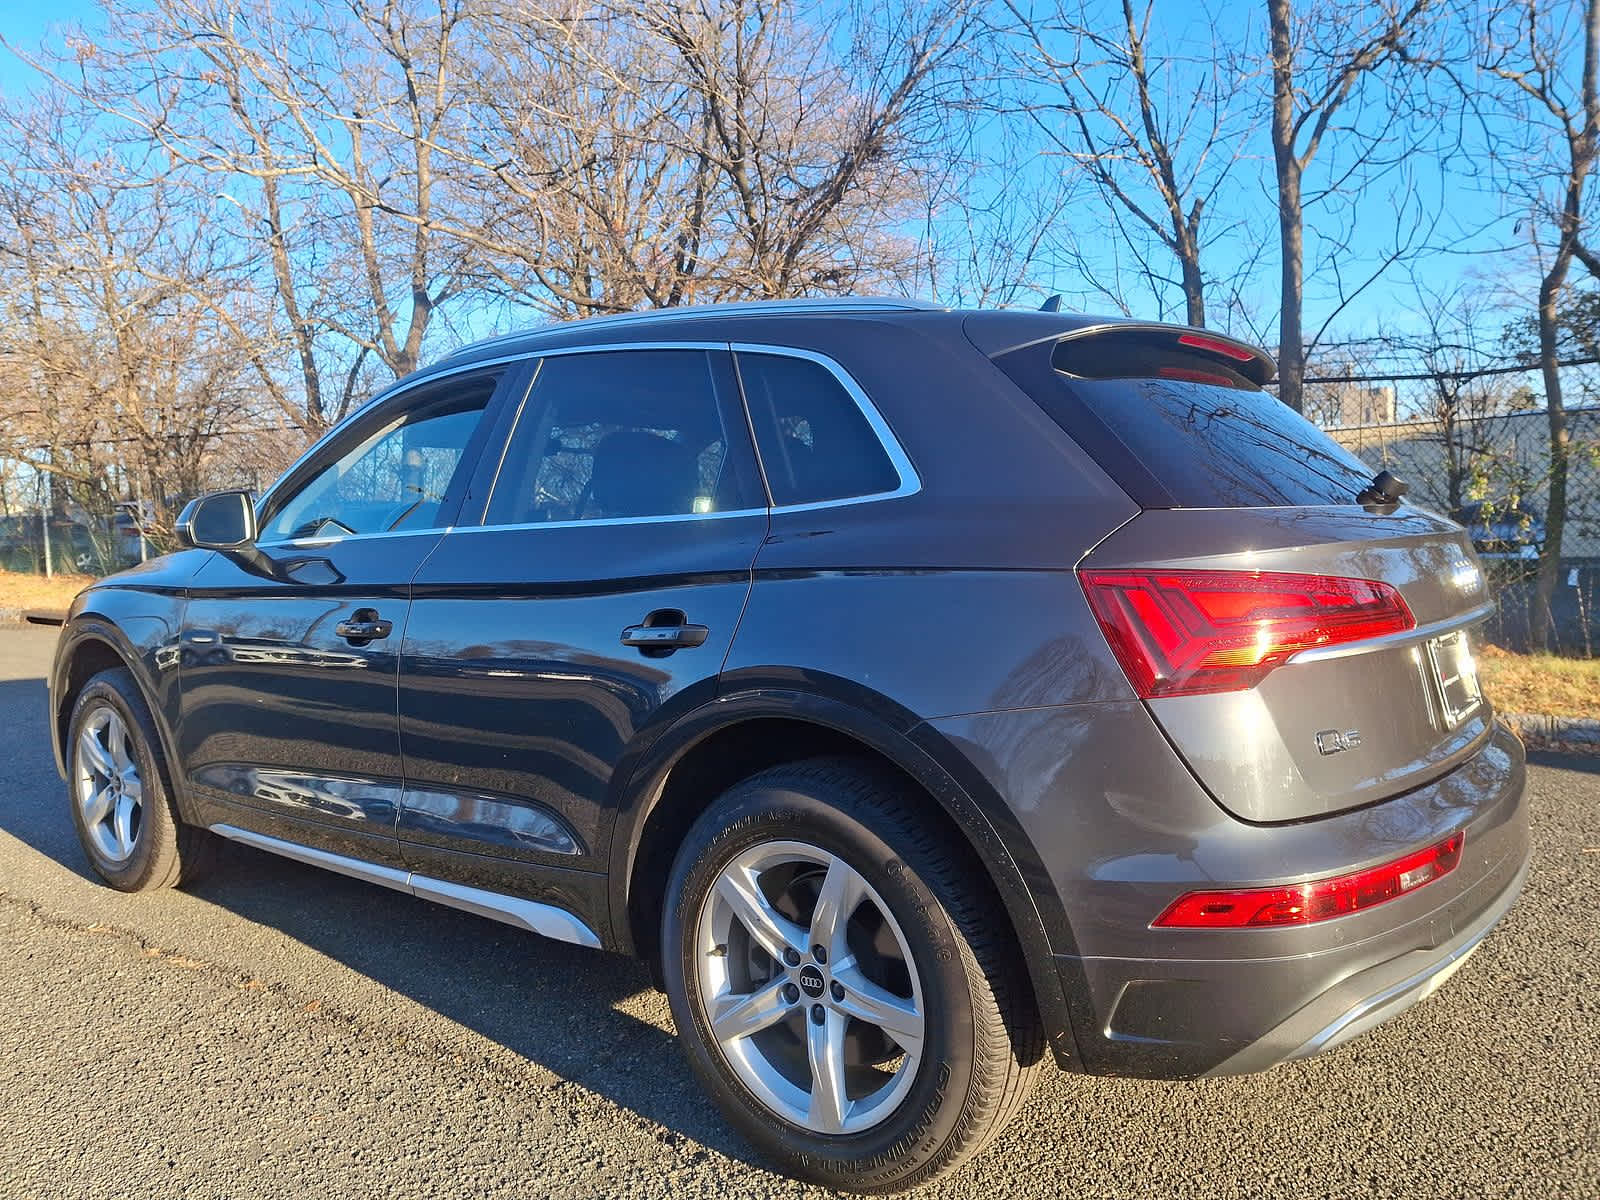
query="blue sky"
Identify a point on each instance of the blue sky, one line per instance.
(27, 23)
(1474, 221)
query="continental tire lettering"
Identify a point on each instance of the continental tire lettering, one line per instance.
(907, 1141)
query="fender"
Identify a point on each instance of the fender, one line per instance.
(918, 750)
(143, 665)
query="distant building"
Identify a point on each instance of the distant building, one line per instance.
(1350, 405)
(1511, 449)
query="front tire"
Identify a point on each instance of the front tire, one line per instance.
(122, 806)
(843, 981)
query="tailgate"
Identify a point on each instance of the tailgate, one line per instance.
(1335, 726)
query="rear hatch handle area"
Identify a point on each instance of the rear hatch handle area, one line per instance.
(1404, 637)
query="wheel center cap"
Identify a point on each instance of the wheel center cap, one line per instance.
(811, 981)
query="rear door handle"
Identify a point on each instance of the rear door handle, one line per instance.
(364, 626)
(662, 632)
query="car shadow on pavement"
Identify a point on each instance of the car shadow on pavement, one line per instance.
(32, 797)
(552, 1004)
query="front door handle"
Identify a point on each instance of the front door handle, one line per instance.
(664, 631)
(364, 625)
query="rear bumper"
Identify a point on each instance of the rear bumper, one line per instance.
(1187, 1003)
(1368, 998)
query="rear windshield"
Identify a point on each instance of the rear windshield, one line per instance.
(1205, 436)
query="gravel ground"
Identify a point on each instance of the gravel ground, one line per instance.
(283, 1032)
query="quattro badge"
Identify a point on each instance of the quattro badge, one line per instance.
(1331, 741)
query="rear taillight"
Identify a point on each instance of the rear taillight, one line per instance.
(1185, 633)
(1320, 900)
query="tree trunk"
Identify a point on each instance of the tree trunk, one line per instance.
(1291, 336)
(1291, 249)
(1194, 292)
(1539, 619)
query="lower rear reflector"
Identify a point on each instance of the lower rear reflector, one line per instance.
(1319, 900)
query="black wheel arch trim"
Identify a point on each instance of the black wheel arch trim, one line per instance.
(92, 627)
(1035, 911)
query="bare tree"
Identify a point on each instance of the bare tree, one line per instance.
(661, 154)
(1320, 58)
(1156, 135)
(1456, 340)
(321, 126)
(1544, 59)
(122, 354)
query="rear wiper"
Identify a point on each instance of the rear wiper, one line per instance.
(1384, 490)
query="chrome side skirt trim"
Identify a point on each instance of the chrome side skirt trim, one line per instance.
(544, 919)
(356, 868)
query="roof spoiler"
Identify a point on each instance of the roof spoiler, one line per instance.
(1251, 362)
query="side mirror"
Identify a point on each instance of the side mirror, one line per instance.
(220, 521)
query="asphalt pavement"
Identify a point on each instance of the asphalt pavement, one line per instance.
(280, 1031)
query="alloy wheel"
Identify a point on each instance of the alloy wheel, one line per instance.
(809, 988)
(109, 792)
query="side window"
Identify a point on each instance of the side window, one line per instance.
(394, 478)
(815, 441)
(628, 433)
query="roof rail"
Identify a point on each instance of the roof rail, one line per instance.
(687, 312)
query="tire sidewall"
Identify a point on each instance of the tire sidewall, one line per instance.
(929, 1115)
(107, 691)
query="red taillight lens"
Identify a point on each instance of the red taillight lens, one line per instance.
(1185, 633)
(1200, 341)
(1321, 900)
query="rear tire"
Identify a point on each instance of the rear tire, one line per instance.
(905, 1046)
(117, 786)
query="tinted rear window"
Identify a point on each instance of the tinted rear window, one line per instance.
(1205, 436)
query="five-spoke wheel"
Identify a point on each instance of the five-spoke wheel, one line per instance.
(106, 784)
(121, 805)
(809, 987)
(843, 977)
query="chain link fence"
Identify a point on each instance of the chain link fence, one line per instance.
(75, 543)
(1475, 445)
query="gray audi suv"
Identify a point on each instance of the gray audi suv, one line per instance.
(924, 695)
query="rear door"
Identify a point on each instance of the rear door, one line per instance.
(1305, 652)
(592, 600)
(289, 653)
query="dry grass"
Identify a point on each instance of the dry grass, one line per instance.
(20, 592)
(1540, 683)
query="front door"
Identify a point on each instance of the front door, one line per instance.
(290, 650)
(597, 599)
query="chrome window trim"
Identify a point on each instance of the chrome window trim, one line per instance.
(320, 543)
(600, 348)
(614, 347)
(398, 388)
(910, 481)
(602, 521)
